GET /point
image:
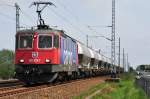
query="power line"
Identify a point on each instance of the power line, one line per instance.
(102, 26)
(91, 29)
(6, 5)
(5, 15)
(75, 17)
(67, 10)
(27, 15)
(70, 13)
(11, 18)
(30, 18)
(66, 20)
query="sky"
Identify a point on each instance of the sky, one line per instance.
(74, 16)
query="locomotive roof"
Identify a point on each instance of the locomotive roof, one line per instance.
(40, 31)
(49, 30)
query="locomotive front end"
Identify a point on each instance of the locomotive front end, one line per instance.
(36, 53)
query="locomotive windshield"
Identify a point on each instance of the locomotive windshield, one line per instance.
(25, 41)
(45, 41)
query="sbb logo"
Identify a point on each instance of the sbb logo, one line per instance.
(34, 54)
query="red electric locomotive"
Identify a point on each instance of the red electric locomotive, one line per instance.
(43, 53)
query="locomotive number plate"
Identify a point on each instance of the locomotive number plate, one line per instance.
(34, 60)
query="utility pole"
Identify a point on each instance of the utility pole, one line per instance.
(17, 17)
(127, 64)
(113, 38)
(123, 60)
(119, 57)
(87, 40)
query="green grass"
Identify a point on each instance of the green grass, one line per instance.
(90, 91)
(125, 89)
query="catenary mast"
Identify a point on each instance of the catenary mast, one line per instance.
(17, 17)
(113, 59)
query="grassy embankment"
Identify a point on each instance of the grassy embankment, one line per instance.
(125, 89)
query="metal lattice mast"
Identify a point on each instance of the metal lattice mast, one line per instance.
(17, 17)
(113, 37)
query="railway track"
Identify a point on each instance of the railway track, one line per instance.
(6, 86)
(20, 89)
(10, 83)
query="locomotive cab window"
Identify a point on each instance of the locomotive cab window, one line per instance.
(25, 41)
(45, 41)
(56, 41)
(16, 44)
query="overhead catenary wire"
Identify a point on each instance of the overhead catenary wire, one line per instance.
(22, 11)
(66, 9)
(4, 4)
(101, 26)
(67, 21)
(10, 17)
(86, 26)
(93, 30)
(27, 15)
(5, 15)
(73, 15)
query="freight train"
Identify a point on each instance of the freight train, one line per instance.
(45, 54)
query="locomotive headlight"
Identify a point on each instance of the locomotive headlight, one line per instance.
(35, 36)
(47, 61)
(21, 60)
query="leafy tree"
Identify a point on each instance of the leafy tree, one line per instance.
(6, 64)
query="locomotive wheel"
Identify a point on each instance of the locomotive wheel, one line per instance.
(53, 77)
